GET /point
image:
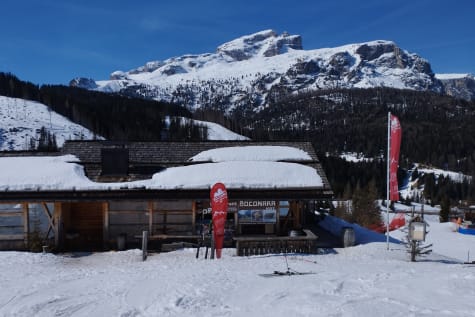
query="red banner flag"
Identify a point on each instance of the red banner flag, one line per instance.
(395, 144)
(219, 209)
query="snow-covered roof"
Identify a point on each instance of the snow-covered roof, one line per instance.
(252, 153)
(241, 174)
(51, 172)
(63, 173)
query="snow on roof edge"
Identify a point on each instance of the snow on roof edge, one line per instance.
(63, 173)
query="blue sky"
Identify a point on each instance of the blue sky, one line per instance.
(51, 42)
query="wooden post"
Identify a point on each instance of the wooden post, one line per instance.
(212, 246)
(58, 225)
(193, 219)
(299, 214)
(236, 224)
(150, 217)
(26, 225)
(105, 226)
(144, 245)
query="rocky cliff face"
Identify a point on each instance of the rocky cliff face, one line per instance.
(86, 83)
(458, 85)
(248, 73)
(265, 43)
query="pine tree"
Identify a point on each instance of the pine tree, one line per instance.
(444, 209)
(366, 211)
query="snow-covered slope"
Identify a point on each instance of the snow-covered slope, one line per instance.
(412, 185)
(250, 71)
(366, 280)
(218, 132)
(21, 120)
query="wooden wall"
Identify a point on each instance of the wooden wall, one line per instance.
(13, 226)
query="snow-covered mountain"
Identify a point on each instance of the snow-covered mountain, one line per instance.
(21, 121)
(251, 71)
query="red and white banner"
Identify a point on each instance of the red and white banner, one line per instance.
(395, 144)
(219, 209)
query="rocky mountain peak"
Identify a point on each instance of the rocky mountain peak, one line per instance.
(253, 71)
(86, 83)
(265, 43)
(373, 50)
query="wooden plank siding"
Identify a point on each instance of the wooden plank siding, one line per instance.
(14, 226)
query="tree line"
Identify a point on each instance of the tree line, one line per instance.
(112, 116)
(438, 131)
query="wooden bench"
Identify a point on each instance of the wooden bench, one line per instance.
(175, 241)
(258, 245)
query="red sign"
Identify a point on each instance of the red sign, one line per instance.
(395, 144)
(219, 209)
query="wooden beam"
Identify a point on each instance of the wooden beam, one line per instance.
(12, 214)
(150, 217)
(193, 219)
(11, 237)
(26, 225)
(50, 220)
(105, 225)
(317, 193)
(58, 225)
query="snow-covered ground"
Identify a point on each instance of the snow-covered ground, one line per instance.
(21, 120)
(365, 280)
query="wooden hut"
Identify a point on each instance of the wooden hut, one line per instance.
(94, 194)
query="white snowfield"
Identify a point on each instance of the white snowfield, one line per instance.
(365, 280)
(218, 132)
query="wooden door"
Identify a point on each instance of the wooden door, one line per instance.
(84, 226)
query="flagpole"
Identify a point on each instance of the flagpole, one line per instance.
(387, 181)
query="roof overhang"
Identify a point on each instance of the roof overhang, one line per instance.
(148, 194)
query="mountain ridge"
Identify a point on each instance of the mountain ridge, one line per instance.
(250, 71)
